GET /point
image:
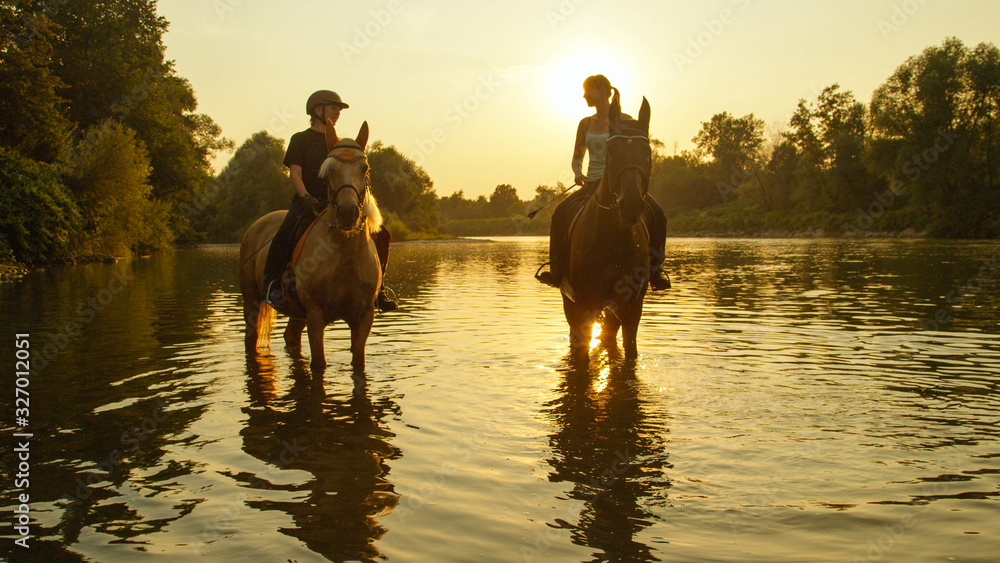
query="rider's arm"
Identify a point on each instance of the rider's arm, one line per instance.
(295, 172)
(579, 149)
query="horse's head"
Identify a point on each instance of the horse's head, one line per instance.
(346, 173)
(629, 160)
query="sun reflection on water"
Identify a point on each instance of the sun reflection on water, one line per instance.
(601, 383)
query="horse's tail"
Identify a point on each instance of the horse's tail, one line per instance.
(265, 322)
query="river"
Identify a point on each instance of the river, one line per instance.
(794, 400)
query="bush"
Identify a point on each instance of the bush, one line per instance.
(501, 226)
(39, 221)
(108, 173)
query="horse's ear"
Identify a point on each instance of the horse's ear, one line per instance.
(363, 135)
(644, 115)
(331, 134)
(615, 111)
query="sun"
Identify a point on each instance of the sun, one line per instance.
(566, 75)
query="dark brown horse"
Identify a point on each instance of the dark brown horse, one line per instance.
(609, 246)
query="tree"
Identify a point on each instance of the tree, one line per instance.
(32, 120)
(108, 175)
(254, 183)
(781, 170)
(734, 145)
(110, 56)
(403, 188)
(547, 196)
(504, 201)
(830, 138)
(934, 122)
(39, 221)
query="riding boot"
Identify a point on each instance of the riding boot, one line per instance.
(658, 280)
(657, 222)
(382, 300)
(384, 303)
(280, 252)
(562, 216)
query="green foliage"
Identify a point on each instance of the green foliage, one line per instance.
(921, 159)
(829, 137)
(97, 69)
(253, 184)
(734, 146)
(733, 143)
(108, 175)
(39, 221)
(935, 124)
(547, 196)
(110, 55)
(403, 188)
(504, 202)
(456, 207)
(32, 120)
(684, 182)
(500, 226)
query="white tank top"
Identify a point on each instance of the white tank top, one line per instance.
(597, 147)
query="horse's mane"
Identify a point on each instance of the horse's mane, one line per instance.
(369, 207)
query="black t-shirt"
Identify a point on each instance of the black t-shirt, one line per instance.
(308, 150)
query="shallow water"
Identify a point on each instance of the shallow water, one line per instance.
(794, 400)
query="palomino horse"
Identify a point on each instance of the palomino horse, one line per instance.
(337, 273)
(609, 247)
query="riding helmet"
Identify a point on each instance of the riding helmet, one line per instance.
(321, 97)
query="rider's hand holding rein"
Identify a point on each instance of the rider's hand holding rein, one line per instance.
(313, 204)
(295, 173)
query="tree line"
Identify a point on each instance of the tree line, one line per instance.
(920, 156)
(100, 142)
(102, 152)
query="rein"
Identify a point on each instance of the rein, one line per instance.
(614, 180)
(342, 152)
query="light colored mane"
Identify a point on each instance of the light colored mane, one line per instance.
(369, 207)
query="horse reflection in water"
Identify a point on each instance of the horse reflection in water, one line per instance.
(612, 453)
(340, 440)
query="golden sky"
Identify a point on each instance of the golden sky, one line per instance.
(485, 93)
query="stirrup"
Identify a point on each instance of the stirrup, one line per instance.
(386, 303)
(267, 293)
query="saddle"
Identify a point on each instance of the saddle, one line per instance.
(566, 287)
(578, 212)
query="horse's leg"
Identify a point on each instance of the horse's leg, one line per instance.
(581, 325)
(630, 329)
(293, 333)
(360, 329)
(315, 323)
(609, 330)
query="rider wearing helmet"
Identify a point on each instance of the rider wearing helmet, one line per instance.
(305, 155)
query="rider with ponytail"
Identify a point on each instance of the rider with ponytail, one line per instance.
(592, 139)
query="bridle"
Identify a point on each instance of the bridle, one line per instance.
(340, 152)
(643, 174)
